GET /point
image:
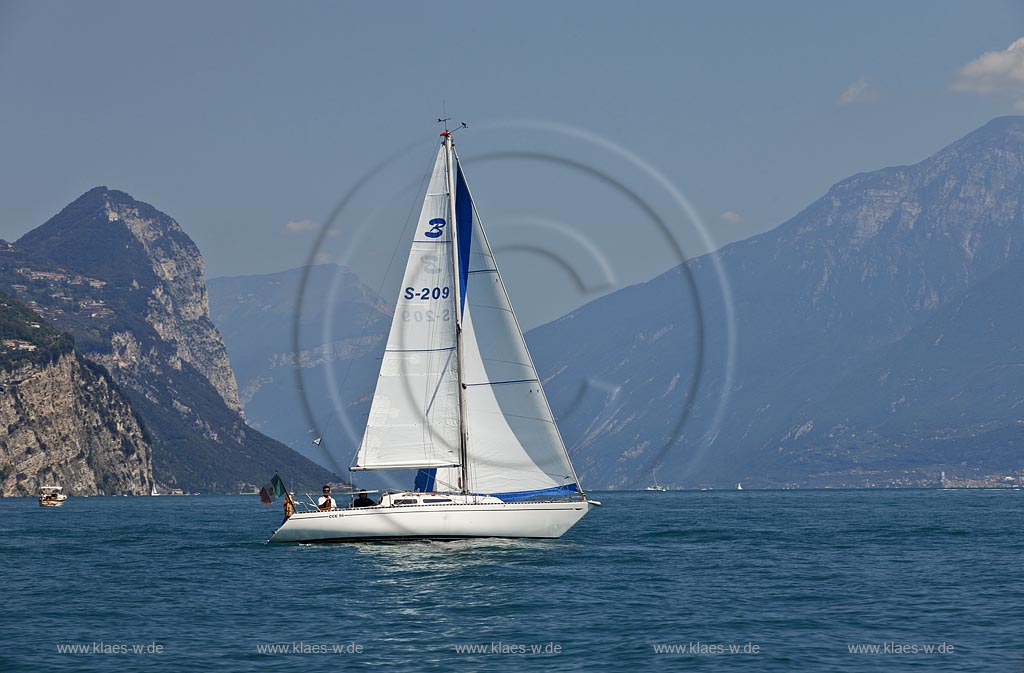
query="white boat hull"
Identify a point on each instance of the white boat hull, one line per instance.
(435, 522)
(51, 496)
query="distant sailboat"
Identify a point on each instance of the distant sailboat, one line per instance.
(656, 486)
(739, 487)
(458, 400)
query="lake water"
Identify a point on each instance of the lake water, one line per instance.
(751, 580)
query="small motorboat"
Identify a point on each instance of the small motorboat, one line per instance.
(52, 496)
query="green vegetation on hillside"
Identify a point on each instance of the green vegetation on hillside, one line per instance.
(25, 338)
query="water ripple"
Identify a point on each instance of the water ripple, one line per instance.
(802, 575)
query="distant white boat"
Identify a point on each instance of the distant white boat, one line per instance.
(154, 491)
(739, 487)
(656, 486)
(458, 400)
(52, 496)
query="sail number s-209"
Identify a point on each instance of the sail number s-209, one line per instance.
(426, 293)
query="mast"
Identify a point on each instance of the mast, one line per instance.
(463, 439)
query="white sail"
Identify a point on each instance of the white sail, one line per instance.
(414, 417)
(458, 399)
(513, 443)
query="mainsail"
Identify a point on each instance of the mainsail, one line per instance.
(414, 417)
(512, 446)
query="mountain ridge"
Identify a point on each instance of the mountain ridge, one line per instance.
(644, 378)
(809, 302)
(128, 283)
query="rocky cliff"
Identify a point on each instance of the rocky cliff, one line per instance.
(127, 282)
(136, 248)
(66, 422)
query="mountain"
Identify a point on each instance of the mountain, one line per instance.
(340, 331)
(946, 396)
(150, 267)
(870, 340)
(833, 380)
(127, 282)
(67, 422)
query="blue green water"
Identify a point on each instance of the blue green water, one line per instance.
(801, 575)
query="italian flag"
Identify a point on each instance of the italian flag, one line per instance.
(272, 489)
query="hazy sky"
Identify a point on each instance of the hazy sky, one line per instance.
(247, 122)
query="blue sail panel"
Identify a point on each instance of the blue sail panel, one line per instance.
(425, 480)
(568, 489)
(464, 226)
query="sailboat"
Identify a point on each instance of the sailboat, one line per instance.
(656, 486)
(458, 400)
